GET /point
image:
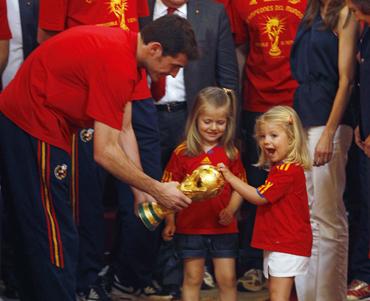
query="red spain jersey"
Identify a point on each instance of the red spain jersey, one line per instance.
(4, 26)
(283, 224)
(60, 88)
(201, 217)
(269, 27)
(58, 15)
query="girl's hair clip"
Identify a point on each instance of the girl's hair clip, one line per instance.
(290, 120)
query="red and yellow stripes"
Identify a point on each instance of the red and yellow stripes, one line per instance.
(180, 148)
(55, 242)
(167, 176)
(263, 188)
(284, 166)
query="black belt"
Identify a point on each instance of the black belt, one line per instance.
(172, 106)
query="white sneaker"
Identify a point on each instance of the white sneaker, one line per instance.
(252, 281)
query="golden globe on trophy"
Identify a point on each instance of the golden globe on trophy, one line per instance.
(204, 182)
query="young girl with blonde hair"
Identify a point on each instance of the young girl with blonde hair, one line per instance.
(207, 227)
(282, 226)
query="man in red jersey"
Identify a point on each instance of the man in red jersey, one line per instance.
(59, 89)
(131, 264)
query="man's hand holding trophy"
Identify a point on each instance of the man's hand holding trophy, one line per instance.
(205, 182)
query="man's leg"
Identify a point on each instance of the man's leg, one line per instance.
(88, 211)
(358, 207)
(137, 249)
(169, 267)
(36, 178)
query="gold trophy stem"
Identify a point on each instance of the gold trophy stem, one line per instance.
(152, 213)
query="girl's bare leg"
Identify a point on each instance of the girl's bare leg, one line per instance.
(226, 278)
(193, 277)
(280, 288)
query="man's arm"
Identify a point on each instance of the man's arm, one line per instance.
(110, 155)
(128, 142)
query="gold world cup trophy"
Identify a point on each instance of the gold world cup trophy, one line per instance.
(204, 182)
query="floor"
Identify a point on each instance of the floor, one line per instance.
(211, 295)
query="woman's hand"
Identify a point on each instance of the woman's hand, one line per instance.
(358, 140)
(323, 149)
(367, 146)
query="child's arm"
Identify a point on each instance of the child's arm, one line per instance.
(247, 191)
(227, 214)
(170, 228)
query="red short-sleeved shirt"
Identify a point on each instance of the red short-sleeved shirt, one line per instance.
(58, 15)
(270, 28)
(201, 217)
(283, 225)
(4, 26)
(60, 88)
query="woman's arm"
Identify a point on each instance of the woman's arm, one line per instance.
(348, 33)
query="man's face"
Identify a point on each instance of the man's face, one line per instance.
(359, 15)
(165, 65)
(174, 3)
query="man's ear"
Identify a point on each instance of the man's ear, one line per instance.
(155, 49)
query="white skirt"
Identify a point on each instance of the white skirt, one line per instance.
(279, 264)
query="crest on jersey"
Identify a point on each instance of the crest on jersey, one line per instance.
(60, 171)
(86, 135)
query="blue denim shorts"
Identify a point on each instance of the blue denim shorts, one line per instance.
(214, 246)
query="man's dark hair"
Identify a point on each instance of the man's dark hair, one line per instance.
(174, 33)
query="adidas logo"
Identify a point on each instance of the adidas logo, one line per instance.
(206, 161)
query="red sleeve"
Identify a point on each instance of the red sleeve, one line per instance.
(142, 8)
(53, 14)
(110, 88)
(276, 186)
(237, 168)
(174, 169)
(238, 26)
(4, 26)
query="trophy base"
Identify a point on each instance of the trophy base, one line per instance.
(152, 214)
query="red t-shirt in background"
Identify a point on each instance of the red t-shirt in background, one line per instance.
(201, 217)
(283, 225)
(84, 74)
(58, 15)
(269, 27)
(5, 33)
